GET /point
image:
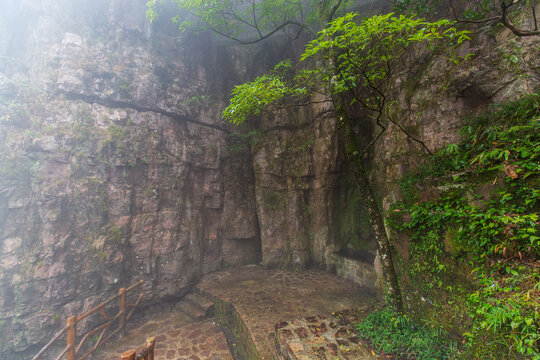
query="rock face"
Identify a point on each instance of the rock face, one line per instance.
(115, 164)
(112, 165)
(434, 103)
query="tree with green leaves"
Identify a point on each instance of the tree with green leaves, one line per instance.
(350, 63)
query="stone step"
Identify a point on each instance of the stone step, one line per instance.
(202, 302)
(194, 312)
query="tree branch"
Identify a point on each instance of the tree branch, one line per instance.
(457, 19)
(508, 23)
(409, 135)
(333, 10)
(288, 106)
(377, 110)
(255, 18)
(503, 18)
(267, 35)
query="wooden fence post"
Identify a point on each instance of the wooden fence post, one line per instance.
(71, 337)
(122, 321)
(150, 344)
(128, 355)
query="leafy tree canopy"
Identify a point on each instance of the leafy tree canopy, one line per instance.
(249, 21)
(360, 59)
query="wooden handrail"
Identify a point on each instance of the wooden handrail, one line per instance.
(72, 350)
(60, 333)
(128, 355)
(148, 352)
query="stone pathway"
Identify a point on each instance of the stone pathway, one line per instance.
(263, 298)
(303, 314)
(322, 337)
(177, 338)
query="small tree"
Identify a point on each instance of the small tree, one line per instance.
(355, 63)
(360, 60)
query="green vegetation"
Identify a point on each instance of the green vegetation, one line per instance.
(273, 201)
(113, 234)
(361, 59)
(124, 85)
(115, 133)
(115, 139)
(239, 142)
(477, 9)
(198, 99)
(252, 21)
(262, 94)
(393, 333)
(495, 230)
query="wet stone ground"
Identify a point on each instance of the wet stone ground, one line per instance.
(322, 337)
(264, 298)
(177, 338)
(305, 312)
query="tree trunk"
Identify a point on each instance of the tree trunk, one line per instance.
(384, 247)
(392, 291)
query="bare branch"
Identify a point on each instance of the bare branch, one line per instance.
(409, 135)
(457, 19)
(503, 18)
(508, 23)
(293, 105)
(333, 10)
(534, 17)
(301, 27)
(383, 129)
(255, 18)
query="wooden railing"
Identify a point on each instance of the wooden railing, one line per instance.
(146, 353)
(73, 351)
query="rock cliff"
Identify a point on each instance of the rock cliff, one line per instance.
(116, 166)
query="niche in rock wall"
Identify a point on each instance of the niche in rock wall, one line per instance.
(355, 249)
(352, 227)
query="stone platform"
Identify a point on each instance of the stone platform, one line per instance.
(253, 300)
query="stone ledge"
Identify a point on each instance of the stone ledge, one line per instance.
(357, 271)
